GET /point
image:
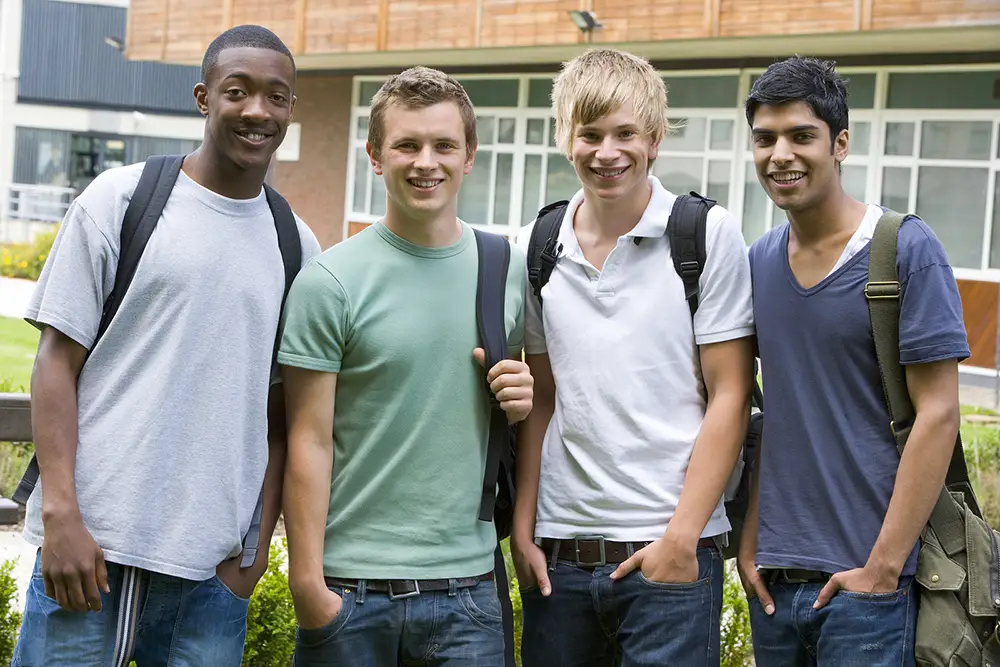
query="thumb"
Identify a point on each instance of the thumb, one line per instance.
(542, 577)
(479, 354)
(827, 593)
(102, 572)
(627, 567)
(763, 596)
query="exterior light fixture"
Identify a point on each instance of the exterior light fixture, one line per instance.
(114, 43)
(584, 20)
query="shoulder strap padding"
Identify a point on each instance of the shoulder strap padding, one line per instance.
(686, 233)
(543, 246)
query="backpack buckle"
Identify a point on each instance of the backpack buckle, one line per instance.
(882, 289)
(689, 270)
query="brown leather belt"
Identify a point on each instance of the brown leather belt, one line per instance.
(596, 551)
(408, 588)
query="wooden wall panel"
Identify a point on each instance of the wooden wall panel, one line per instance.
(278, 17)
(781, 17)
(431, 24)
(355, 227)
(897, 14)
(980, 301)
(192, 26)
(527, 22)
(338, 26)
(644, 21)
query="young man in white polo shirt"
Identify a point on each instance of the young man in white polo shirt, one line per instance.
(639, 410)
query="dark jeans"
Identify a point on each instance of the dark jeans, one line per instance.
(158, 621)
(456, 628)
(591, 621)
(852, 630)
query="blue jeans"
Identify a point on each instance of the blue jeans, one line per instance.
(852, 630)
(454, 628)
(590, 621)
(156, 620)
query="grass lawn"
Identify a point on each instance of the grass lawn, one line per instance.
(18, 343)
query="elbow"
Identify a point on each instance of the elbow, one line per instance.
(943, 419)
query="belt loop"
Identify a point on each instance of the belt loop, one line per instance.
(553, 555)
(452, 587)
(629, 549)
(362, 589)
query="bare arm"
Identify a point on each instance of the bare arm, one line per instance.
(309, 406)
(746, 558)
(277, 447)
(727, 369)
(529, 559)
(933, 389)
(73, 565)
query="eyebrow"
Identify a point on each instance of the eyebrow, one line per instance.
(798, 128)
(243, 76)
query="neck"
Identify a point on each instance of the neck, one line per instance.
(831, 217)
(614, 218)
(222, 176)
(436, 230)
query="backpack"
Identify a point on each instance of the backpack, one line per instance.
(497, 501)
(686, 236)
(958, 565)
(159, 174)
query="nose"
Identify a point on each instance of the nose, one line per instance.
(426, 158)
(255, 109)
(783, 152)
(608, 150)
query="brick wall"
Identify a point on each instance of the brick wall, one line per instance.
(315, 184)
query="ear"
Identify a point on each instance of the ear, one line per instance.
(373, 158)
(201, 98)
(841, 146)
(291, 108)
(654, 149)
(470, 158)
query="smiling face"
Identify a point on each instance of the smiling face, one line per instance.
(423, 159)
(612, 155)
(248, 102)
(797, 161)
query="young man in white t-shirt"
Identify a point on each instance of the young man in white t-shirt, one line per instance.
(639, 411)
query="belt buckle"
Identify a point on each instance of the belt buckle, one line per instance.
(600, 546)
(408, 594)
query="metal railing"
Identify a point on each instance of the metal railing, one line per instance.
(15, 426)
(42, 203)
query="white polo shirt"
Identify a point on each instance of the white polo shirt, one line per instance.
(630, 398)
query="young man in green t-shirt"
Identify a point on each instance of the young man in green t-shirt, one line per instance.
(387, 413)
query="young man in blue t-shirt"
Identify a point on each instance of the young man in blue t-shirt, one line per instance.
(829, 552)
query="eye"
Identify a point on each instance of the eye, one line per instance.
(627, 134)
(234, 92)
(279, 98)
(763, 140)
(445, 146)
(803, 137)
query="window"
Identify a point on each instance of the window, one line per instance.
(951, 90)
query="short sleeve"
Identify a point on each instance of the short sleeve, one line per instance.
(725, 305)
(534, 332)
(315, 322)
(931, 325)
(517, 278)
(78, 275)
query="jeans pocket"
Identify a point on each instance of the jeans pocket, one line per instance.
(707, 559)
(314, 637)
(482, 605)
(894, 596)
(221, 584)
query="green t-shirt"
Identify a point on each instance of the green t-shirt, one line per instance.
(397, 322)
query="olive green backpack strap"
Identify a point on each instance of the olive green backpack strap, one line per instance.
(884, 294)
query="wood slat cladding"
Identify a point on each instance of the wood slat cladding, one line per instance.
(743, 18)
(897, 14)
(180, 30)
(355, 227)
(980, 301)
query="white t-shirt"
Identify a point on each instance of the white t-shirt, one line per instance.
(630, 398)
(173, 401)
(862, 235)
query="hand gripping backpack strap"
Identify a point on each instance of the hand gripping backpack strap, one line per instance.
(290, 246)
(494, 260)
(686, 233)
(544, 246)
(883, 294)
(144, 209)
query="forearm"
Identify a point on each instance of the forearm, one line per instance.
(306, 497)
(919, 481)
(712, 461)
(274, 478)
(530, 436)
(54, 421)
(748, 533)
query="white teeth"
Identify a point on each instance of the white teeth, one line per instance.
(787, 177)
(254, 136)
(424, 184)
(610, 174)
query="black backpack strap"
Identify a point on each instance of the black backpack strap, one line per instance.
(494, 260)
(544, 246)
(144, 209)
(290, 246)
(686, 234)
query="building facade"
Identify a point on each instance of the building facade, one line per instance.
(71, 106)
(924, 93)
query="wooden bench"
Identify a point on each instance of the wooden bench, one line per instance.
(15, 426)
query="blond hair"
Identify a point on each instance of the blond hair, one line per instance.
(417, 88)
(599, 82)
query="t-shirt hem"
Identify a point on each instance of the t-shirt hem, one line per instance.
(927, 355)
(473, 568)
(308, 363)
(773, 561)
(615, 533)
(128, 560)
(722, 336)
(40, 320)
(536, 349)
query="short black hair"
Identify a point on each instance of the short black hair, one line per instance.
(809, 80)
(242, 36)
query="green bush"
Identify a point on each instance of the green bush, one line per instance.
(10, 613)
(25, 260)
(271, 616)
(737, 649)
